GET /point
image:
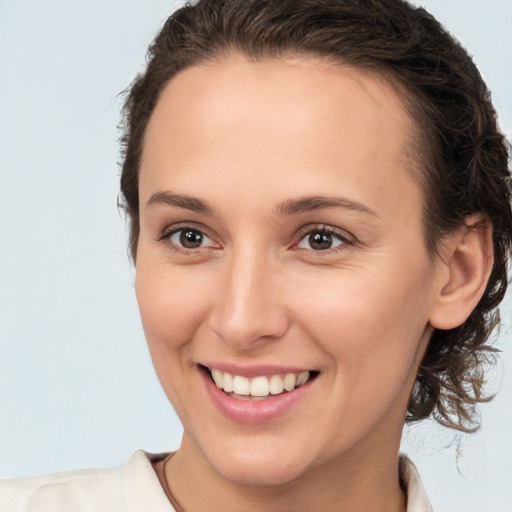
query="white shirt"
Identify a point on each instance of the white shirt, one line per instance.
(134, 487)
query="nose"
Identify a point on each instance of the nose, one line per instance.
(249, 308)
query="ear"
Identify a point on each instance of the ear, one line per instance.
(467, 257)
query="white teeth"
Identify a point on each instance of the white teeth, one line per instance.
(276, 385)
(241, 385)
(302, 378)
(257, 387)
(289, 381)
(217, 378)
(228, 382)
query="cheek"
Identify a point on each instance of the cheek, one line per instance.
(172, 306)
(370, 324)
(372, 332)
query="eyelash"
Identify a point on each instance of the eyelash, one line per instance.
(343, 237)
(170, 231)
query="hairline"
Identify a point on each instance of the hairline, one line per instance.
(417, 157)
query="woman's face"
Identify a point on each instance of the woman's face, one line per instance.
(281, 233)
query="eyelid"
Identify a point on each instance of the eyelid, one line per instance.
(341, 234)
(172, 229)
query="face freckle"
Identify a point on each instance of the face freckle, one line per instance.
(227, 146)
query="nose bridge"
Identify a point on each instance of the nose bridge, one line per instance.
(248, 307)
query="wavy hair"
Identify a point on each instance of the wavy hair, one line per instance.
(463, 158)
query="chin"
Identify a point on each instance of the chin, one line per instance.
(259, 464)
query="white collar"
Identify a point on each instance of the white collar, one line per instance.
(417, 500)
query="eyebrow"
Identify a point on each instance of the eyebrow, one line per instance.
(289, 207)
(181, 201)
(311, 203)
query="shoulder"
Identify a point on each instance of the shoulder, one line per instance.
(132, 487)
(86, 489)
(417, 500)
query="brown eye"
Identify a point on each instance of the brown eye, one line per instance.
(321, 240)
(189, 238)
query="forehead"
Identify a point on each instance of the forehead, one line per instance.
(298, 120)
(296, 87)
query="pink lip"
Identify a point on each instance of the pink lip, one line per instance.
(253, 370)
(253, 412)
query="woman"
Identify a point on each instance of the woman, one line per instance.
(320, 223)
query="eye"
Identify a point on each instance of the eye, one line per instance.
(190, 238)
(322, 240)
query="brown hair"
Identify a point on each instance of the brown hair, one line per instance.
(463, 157)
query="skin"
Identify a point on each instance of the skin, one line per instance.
(245, 139)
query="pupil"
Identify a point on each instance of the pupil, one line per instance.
(320, 240)
(191, 239)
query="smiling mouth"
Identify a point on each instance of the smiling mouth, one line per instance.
(260, 387)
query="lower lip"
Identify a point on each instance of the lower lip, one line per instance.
(253, 411)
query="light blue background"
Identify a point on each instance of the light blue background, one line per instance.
(77, 388)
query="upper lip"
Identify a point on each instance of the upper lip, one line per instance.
(250, 371)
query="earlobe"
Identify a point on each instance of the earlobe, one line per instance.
(467, 260)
